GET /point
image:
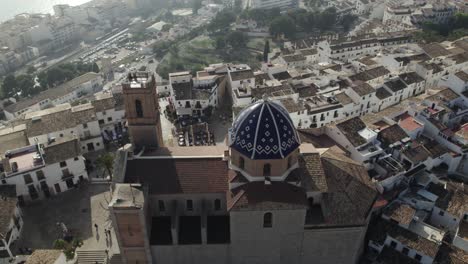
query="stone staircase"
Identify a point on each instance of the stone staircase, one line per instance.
(91, 257)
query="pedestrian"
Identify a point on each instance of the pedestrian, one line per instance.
(96, 226)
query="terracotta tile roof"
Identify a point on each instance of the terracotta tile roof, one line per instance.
(179, 175)
(435, 149)
(351, 194)
(402, 213)
(8, 203)
(462, 76)
(350, 129)
(463, 131)
(389, 255)
(445, 95)
(291, 105)
(416, 154)
(435, 50)
(258, 196)
(62, 149)
(294, 58)
(449, 254)
(64, 118)
(103, 102)
(392, 134)
(370, 74)
(454, 201)
(379, 229)
(463, 229)
(343, 98)
(308, 52)
(395, 85)
(410, 78)
(434, 67)
(363, 89)
(44, 256)
(408, 122)
(310, 173)
(241, 75)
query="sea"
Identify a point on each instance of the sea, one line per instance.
(10, 8)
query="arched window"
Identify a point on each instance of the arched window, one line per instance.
(241, 163)
(217, 205)
(267, 169)
(138, 108)
(289, 162)
(267, 220)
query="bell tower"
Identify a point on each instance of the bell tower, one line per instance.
(142, 110)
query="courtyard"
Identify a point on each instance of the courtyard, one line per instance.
(79, 210)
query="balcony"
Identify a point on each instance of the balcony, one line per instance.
(66, 176)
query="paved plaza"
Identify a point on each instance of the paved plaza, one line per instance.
(79, 210)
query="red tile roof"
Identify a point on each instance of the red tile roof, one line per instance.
(408, 123)
(261, 196)
(179, 175)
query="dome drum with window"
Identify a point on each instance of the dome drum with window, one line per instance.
(263, 140)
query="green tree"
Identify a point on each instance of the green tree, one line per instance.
(347, 20)
(30, 70)
(306, 21)
(266, 50)
(26, 85)
(222, 20)
(220, 42)
(60, 244)
(236, 39)
(461, 20)
(106, 161)
(10, 85)
(283, 25)
(327, 19)
(166, 27)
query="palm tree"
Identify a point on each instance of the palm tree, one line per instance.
(106, 161)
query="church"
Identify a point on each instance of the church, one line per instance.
(263, 197)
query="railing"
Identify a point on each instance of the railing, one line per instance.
(67, 175)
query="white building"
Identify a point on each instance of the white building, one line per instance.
(42, 170)
(64, 121)
(345, 49)
(68, 92)
(357, 138)
(110, 114)
(193, 96)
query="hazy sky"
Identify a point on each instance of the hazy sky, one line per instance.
(10, 8)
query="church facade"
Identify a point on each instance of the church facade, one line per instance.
(262, 198)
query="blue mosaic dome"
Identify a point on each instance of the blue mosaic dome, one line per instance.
(264, 130)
